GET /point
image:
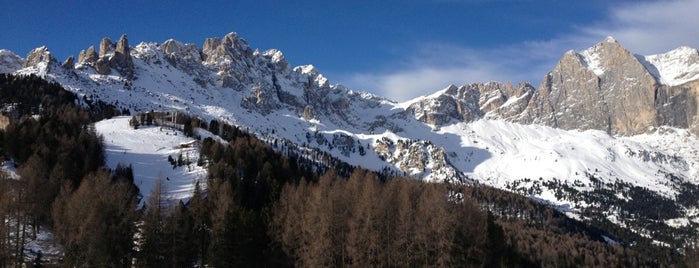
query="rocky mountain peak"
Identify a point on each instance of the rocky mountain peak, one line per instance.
(9, 61)
(69, 63)
(451, 104)
(232, 56)
(39, 55)
(106, 47)
(608, 88)
(276, 58)
(88, 56)
(176, 49)
(121, 60)
(186, 57)
(316, 79)
(230, 47)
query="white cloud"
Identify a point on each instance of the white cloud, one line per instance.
(643, 28)
(435, 66)
(650, 28)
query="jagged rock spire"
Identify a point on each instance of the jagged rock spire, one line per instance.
(106, 47)
(38, 55)
(121, 60)
(88, 57)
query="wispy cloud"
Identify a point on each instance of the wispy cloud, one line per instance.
(644, 28)
(652, 27)
(435, 66)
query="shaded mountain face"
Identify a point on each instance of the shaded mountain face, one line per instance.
(602, 121)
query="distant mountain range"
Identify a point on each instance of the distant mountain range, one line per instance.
(605, 136)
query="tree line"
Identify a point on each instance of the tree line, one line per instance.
(62, 182)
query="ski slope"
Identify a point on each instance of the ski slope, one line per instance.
(147, 149)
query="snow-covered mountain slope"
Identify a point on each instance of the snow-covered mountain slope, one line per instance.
(147, 149)
(9, 62)
(675, 67)
(479, 133)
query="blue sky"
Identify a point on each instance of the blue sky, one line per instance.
(397, 49)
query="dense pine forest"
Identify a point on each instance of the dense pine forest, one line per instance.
(262, 207)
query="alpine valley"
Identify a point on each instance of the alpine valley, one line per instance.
(609, 138)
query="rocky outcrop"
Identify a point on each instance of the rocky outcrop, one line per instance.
(418, 158)
(677, 106)
(121, 59)
(103, 66)
(569, 97)
(69, 63)
(473, 101)
(179, 52)
(38, 55)
(106, 47)
(88, 57)
(605, 87)
(277, 59)
(504, 101)
(232, 56)
(111, 56)
(451, 104)
(608, 88)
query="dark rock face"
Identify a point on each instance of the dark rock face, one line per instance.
(677, 106)
(103, 67)
(121, 60)
(111, 56)
(106, 47)
(88, 57)
(69, 63)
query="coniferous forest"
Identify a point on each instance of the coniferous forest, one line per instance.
(263, 208)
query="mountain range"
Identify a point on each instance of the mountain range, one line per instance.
(606, 137)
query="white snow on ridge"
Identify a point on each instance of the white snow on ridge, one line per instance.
(496, 153)
(592, 60)
(147, 150)
(675, 67)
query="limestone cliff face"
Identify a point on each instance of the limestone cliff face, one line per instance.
(504, 101)
(677, 106)
(473, 101)
(38, 55)
(452, 104)
(608, 88)
(121, 59)
(232, 56)
(570, 97)
(111, 56)
(88, 56)
(605, 87)
(106, 47)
